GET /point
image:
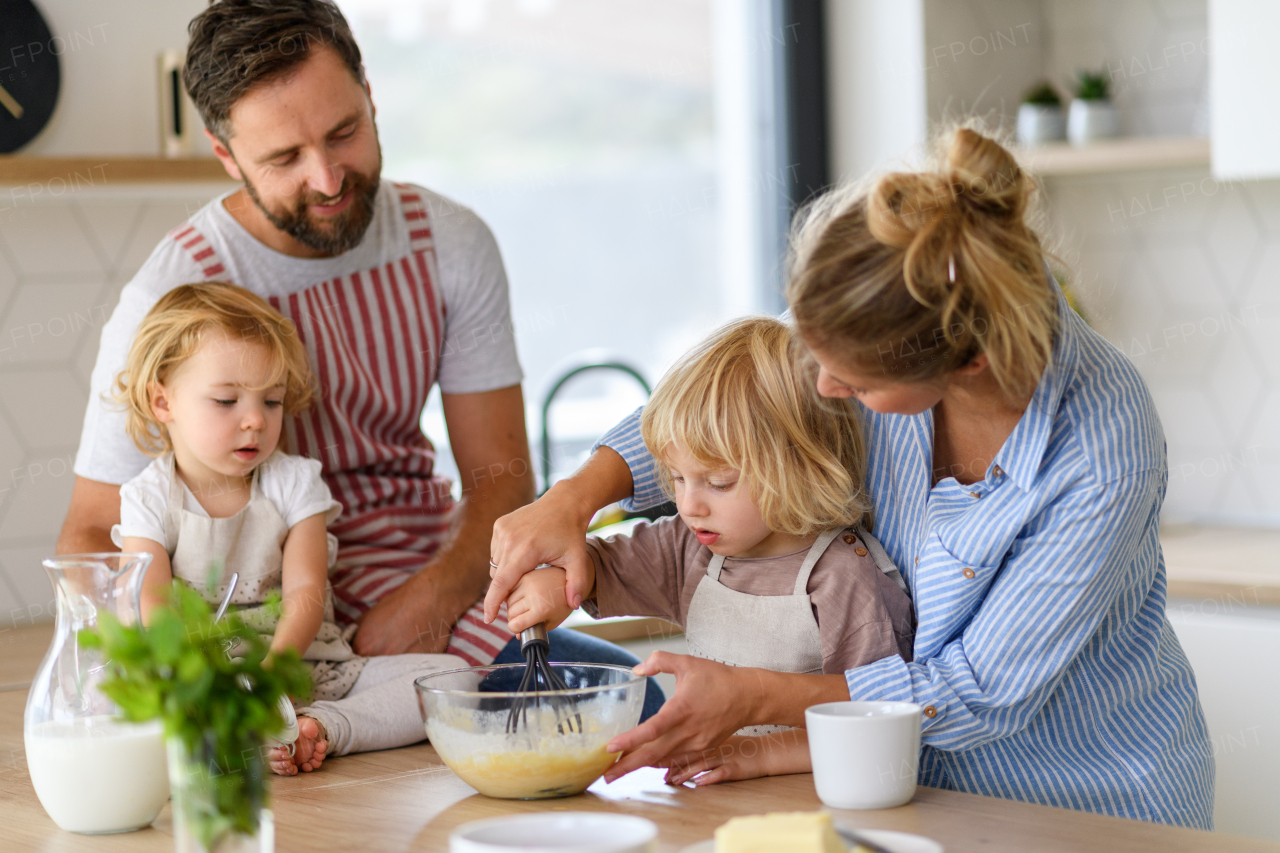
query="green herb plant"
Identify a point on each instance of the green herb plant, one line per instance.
(1043, 95)
(219, 708)
(1092, 87)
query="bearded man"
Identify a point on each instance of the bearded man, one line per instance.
(391, 287)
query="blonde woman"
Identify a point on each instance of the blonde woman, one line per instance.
(769, 563)
(210, 376)
(1016, 470)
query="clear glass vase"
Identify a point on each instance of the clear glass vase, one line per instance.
(92, 771)
(221, 797)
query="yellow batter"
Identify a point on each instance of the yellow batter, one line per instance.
(536, 763)
(529, 775)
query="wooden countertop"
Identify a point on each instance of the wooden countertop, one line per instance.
(1236, 566)
(406, 799)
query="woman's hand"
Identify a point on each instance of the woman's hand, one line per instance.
(711, 702)
(553, 530)
(775, 754)
(538, 597)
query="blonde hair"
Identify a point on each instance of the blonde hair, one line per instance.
(920, 272)
(745, 399)
(173, 331)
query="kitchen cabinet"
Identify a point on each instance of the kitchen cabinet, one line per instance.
(1231, 649)
(1243, 84)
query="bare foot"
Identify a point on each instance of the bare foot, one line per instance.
(308, 750)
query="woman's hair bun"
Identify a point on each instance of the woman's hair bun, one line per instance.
(972, 174)
(941, 254)
(905, 207)
(984, 174)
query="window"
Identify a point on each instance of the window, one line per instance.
(624, 154)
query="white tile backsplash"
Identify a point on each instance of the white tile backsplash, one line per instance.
(110, 223)
(1188, 285)
(8, 277)
(26, 595)
(62, 264)
(1177, 269)
(45, 406)
(1233, 240)
(156, 219)
(26, 237)
(1184, 277)
(49, 321)
(11, 453)
(42, 491)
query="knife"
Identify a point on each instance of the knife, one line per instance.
(861, 841)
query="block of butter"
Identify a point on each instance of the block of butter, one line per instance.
(794, 832)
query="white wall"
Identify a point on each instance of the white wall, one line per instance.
(108, 103)
(875, 65)
(979, 57)
(64, 258)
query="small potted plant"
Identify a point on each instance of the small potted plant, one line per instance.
(1092, 115)
(1040, 117)
(217, 710)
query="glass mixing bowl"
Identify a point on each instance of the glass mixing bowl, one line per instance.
(558, 746)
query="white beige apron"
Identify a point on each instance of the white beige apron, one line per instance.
(776, 632)
(251, 542)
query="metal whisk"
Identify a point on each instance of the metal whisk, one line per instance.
(538, 675)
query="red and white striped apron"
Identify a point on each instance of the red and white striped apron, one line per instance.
(374, 339)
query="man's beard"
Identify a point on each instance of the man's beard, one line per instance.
(339, 233)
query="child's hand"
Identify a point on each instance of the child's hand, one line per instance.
(775, 754)
(538, 597)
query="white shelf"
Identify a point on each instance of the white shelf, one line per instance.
(1126, 154)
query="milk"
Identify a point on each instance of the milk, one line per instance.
(97, 774)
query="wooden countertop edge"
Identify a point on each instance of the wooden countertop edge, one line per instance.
(1226, 595)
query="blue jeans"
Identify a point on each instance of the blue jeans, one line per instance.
(569, 646)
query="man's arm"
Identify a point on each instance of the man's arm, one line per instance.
(489, 442)
(95, 508)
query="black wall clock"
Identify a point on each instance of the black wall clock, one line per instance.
(29, 73)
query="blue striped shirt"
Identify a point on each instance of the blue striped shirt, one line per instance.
(1043, 657)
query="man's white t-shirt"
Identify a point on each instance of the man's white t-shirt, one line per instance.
(478, 352)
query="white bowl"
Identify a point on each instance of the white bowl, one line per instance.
(556, 832)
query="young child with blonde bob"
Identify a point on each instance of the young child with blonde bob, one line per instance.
(769, 563)
(210, 376)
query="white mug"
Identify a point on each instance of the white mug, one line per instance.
(866, 755)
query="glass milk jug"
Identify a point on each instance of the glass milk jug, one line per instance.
(91, 771)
